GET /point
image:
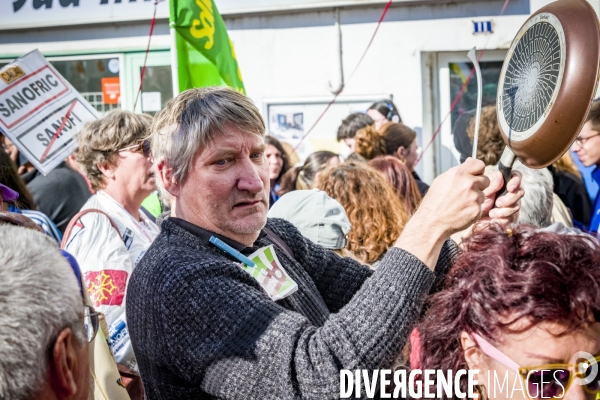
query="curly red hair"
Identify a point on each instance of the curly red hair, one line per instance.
(375, 212)
(401, 179)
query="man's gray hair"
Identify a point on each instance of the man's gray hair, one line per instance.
(192, 120)
(39, 296)
(537, 203)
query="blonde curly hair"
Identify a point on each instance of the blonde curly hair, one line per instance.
(373, 208)
(99, 141)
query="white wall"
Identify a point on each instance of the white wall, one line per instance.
(286, 52)
(287, 62)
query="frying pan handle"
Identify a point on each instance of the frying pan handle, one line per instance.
(506, 171)
(505, 167)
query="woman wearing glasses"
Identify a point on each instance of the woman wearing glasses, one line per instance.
(111, 234)
(523, 307)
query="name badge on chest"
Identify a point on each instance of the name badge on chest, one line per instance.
(270, 274)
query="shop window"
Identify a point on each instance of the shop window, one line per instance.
(97, 80)
(157, 88)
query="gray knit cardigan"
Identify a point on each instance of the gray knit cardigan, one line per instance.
(202, 328)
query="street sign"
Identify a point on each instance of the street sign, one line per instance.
(40, 112)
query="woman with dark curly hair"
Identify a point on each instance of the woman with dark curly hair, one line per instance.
(518, 305)
(375, 212)
(491, 145)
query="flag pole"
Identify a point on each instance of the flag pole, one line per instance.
(174, 62)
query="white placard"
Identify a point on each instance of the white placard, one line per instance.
(150, 101)
(40, 112)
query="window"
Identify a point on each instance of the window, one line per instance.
(459, 72)
(97, 80)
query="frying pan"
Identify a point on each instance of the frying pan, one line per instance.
(547, 84)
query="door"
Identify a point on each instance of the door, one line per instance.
(157, 89)
(453, 70)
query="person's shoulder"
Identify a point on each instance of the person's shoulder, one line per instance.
(61, 180)
(95, 202)
(284, 229)
(569, 182)
(176, 244)
(178, 256)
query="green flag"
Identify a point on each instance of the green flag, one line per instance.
(205, 55)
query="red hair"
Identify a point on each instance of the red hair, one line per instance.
(525, 275)
(397, 174)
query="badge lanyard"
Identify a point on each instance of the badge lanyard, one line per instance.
(264, 266)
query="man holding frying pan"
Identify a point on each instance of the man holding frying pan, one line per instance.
(229, 304)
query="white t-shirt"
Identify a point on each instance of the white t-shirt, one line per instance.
(107, 259)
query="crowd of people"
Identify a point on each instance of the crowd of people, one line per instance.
(187, 255)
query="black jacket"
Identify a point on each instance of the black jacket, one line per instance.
(571, 190)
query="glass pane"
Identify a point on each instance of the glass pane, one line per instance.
(97, 80)
(459, 72)
(157, 88)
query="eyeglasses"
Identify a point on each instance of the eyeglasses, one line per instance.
(546, 381)
(580, 141)
(91, 322)
(141, 147)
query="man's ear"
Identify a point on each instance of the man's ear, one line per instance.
(165, 174)
(64, 364)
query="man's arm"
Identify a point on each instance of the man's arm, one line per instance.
(338, 279)
(456, 200)
(226, 336)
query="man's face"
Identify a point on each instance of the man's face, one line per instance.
(227, 189)
(587, 145)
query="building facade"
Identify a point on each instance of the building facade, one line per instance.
(293, 55)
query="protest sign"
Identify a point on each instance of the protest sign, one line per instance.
(40, 112)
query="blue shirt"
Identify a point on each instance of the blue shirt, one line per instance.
(40, 220)
(596, 211)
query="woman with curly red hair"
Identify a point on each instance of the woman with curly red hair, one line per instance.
(519, 304)
(375, 212)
